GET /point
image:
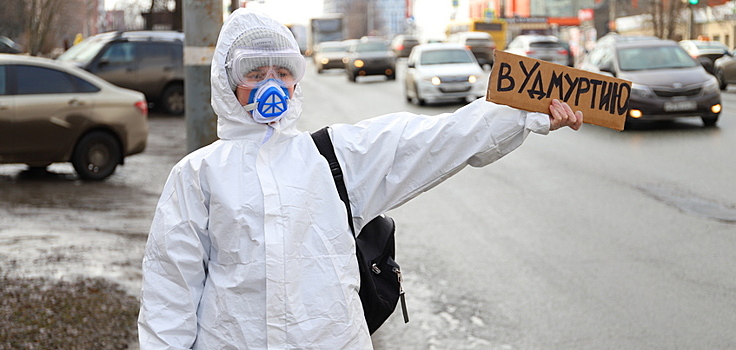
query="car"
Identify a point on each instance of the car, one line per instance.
(725, 69)
(705, 51)
(570, 55)
(369, 56)
(147, 61)
(9, 46)
(402, 44)
(54, 112)
(542, 47)
(443, 72)
(481, 44)
(329, 55)
(666, 82)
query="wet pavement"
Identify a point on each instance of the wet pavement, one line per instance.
(53, 224)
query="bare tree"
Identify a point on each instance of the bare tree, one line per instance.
(12, 18)
(666, 17)
(43, 17)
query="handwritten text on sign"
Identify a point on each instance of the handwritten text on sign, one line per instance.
(531, 84)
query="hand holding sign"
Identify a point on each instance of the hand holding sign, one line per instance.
(561, 115)
(531, 85)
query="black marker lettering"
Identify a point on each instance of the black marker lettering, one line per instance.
(527, 74)
(605, 99)
(555, 81)
(622, 109)
(595, 83)
(537, 87)
(581, 89)
(572, 84)
(614, 98)
(504, 73)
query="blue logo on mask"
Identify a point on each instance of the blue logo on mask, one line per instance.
(271, 100)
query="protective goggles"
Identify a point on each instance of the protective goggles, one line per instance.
(249, 68)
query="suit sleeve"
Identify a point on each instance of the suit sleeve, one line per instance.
(391, 159)
(174, 266)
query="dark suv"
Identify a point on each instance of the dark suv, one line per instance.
(369, 56)
(146, 61)
(480, 43)
(666, 82)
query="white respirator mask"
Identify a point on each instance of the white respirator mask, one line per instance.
(268, 102)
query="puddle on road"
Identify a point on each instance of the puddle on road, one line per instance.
(690, 203)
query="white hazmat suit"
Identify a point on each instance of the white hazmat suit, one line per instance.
(250, 246)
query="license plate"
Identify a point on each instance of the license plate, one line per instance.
(455, 87)
(680, 106)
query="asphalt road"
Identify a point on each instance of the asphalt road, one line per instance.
(594, 239)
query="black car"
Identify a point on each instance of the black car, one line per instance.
(480, 43)
(147, 61)
(666, 82)
(402, 44)
(370, 57)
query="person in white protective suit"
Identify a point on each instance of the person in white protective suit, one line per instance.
(250, 247)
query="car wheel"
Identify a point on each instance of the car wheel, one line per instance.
(710, 121)
(417, 97)
(96, 155)
(721, 80)
(172, 100)
(351, 76)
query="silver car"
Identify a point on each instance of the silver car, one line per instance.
(54, 112)
(542, 47)
(443, 72)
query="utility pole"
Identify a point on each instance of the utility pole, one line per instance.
(202, 22)
(611, 15)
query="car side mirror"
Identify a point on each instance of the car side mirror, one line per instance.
(103, 62)
(410, 65)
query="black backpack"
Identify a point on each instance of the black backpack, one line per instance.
(380, 275)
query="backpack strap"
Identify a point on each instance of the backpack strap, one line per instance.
(322, 139)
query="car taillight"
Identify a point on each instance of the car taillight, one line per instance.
(399, 47)
(529, 52)
(142, 107)
(562, 52)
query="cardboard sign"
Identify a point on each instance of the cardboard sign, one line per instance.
(530, 84)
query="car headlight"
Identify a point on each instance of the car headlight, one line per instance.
(472, 79)
(358, 63)
(436, 81)
(711, 86)
(641, 90)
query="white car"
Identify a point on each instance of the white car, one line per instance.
(443, 72)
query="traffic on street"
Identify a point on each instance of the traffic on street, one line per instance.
(642, 258)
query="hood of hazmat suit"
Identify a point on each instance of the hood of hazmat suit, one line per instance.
(250, 246)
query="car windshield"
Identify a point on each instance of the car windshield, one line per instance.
(710, 45)
(654, 57)
(332, 48)
(546, 45)
(445, 57)
(82, 52)
(478, 42)
(370, 47)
